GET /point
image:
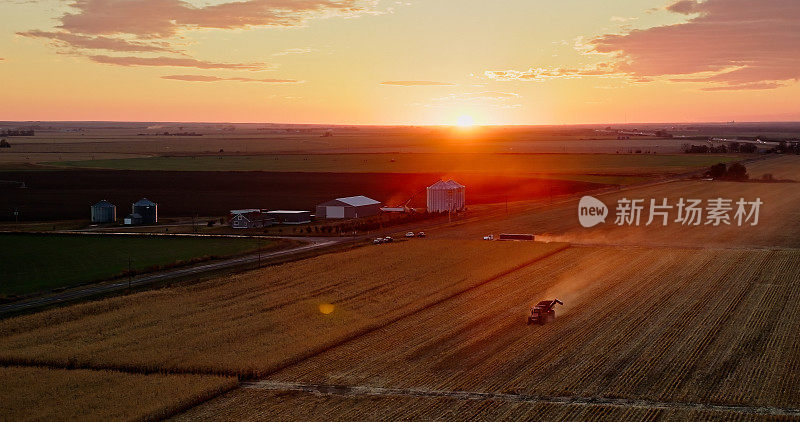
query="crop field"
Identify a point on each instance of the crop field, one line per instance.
(31, 393)
(777, 226)
(540, 164)
(689, 326)
(259, 321)
(786, 167)
(258, 405)
(34, 262)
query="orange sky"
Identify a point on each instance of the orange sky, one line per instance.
(391, 62)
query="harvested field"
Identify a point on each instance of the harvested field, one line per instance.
(60, 195)
(777, 224)
(785, 167)
(31, 393)
(256, 322)
(683, 326)
(257, 405)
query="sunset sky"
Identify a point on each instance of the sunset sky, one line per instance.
(401, 62)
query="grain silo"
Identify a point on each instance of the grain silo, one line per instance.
(104, 212)
(147, 209)
(446, 196)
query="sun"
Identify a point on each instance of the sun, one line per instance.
(465, 121)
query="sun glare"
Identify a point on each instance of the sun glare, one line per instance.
(465, 121)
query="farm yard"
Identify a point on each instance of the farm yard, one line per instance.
(34, 262)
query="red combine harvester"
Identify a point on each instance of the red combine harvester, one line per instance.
(543, 312)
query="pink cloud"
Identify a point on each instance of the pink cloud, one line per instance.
(163, 18)
(97, 42)
(206, 78)
(737, 44)
(415, 83)
(174, 62)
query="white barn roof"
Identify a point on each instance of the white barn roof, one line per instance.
(358, 201)
(450, 184)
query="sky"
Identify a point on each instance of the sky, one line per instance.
(416, 62)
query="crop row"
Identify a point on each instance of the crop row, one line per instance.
(256, 322)
(671, 325)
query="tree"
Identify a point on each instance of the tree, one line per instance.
(737, 172)
(717, 171)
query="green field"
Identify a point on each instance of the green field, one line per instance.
(618, 164)
(32, 262)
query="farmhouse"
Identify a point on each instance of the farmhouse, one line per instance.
(349, 207)
(147, 210)
(290, 217)
(250, 218)
(449, 196)
(104, 212)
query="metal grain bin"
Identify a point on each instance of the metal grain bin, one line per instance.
(104, 212)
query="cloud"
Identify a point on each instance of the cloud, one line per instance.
(205, 78)
(96, 42)
(416, 83)
(543, 73)
(289, 51)
(165, 18)
(174, 62)
(734, 44)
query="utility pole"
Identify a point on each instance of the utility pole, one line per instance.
(130, 274)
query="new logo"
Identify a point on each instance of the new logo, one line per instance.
(591, 211)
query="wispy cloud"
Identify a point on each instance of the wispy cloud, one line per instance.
(543, 73)
(207, 78)
(290, 51)
(416, 83)
(67, 39)
(174, 62)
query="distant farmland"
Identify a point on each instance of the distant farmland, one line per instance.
(508, 164)
(39, 262)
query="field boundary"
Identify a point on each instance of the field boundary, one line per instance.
(367, 391)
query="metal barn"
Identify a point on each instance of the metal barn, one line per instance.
(449, 196)
(147, 209)
(349, 207)
(104, 212)
(290, 217)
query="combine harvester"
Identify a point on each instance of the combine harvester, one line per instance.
(543, 312)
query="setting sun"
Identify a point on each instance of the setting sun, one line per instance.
(465, 121)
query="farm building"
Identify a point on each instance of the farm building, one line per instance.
(132, 219)
(350, 207)
(250, 218)
(147, 209)
(446, 196)
(104, 212)
(290, 217)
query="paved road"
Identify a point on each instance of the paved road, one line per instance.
(92, 290)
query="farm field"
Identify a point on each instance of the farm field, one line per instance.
(31, 393)
(257, 405)
(776, 227)
(670, 325)
(33, 262)
(539, 164)
(256, 322)
(786, 167)
(68, 194)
